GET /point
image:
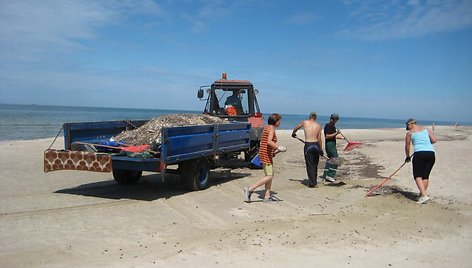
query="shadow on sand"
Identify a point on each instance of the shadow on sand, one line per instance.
(410, 195)
(304, 182)
(150, 187)
(385, 190)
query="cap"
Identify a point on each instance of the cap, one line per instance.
(410, 121)
(313, 115)
(334, 116)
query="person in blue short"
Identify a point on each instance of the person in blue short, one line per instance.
(423, 157)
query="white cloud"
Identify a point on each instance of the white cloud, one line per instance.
(204, 13)
(207, 12)
(31, 28)
(382, 20)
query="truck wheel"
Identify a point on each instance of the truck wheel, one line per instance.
(124, 176)
(194, 174)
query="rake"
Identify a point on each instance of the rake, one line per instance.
(350, 144)
(384, 181)
(334, 160)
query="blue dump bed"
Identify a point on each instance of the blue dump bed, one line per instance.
(178, 143)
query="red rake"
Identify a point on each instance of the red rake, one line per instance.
(383, 181)
(350, 144)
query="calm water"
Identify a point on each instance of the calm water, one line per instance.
(25, 122)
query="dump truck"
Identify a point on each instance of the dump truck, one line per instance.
(188, 151)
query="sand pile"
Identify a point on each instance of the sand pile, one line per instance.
(150, 133)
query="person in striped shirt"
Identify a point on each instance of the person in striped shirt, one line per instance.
(268, 149)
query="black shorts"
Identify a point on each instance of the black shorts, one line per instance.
(423, 162)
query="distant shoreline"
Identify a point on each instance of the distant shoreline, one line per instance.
(438, 122)
(29, 122)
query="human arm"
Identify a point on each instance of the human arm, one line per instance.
(340, 136)
(295, 129)
(407, 146)
(270, 137)
(334, 135)
(432, 137)
(272, 144)
(320, 142)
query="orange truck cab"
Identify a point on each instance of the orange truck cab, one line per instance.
(235, 100)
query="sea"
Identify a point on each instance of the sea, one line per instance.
(27, 122)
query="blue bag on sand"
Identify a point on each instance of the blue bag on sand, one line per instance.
(256, 161)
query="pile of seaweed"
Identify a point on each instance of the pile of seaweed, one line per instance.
(150, 133)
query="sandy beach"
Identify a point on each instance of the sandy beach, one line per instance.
(85, 219)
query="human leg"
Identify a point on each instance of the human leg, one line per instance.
(430, 159)
(330, 169)
(426, 184)
(421, 186)
(311, 164)
(316, 160)
(267, 188)
(419, 168)
(262, 181)
(266, 181)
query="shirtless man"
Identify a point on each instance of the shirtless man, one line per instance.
(313, 145)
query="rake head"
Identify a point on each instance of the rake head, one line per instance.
(351, 145)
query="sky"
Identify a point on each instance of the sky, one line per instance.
(360, 58)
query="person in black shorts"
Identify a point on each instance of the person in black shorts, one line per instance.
(423, 157)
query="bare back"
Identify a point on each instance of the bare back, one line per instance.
(312, 130)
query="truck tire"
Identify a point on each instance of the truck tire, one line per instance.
(194, 174)
(124, 176)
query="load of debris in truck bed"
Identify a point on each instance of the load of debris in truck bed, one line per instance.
(150, 133)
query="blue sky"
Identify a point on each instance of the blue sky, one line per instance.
(378, 59)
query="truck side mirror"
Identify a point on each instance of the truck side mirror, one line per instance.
(200, 93)
(256, 91)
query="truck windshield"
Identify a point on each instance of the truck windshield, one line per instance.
(232, 102)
